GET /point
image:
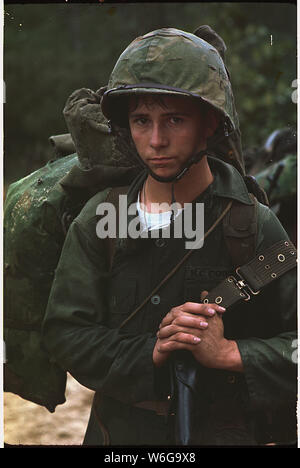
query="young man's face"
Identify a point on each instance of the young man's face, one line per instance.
(168, 131)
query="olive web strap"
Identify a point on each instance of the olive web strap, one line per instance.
(240, 231)
(249, 279)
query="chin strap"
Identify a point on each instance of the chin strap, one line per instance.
(173, 201)
(193, 160)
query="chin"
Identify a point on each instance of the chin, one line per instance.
(164, 172)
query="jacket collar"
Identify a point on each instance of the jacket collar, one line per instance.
(228, 182)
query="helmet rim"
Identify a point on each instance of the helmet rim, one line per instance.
(142, 89)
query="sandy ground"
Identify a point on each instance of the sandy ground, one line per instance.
(26, 423)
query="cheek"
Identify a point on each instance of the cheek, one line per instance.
(200, 133)
(138, 140)
(134, 135)
(194, 136)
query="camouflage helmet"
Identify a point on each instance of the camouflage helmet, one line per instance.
(170, 61)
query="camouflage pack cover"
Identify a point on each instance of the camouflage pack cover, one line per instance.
(33, 237)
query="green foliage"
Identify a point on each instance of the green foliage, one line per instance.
(52, 49)
(263, 75)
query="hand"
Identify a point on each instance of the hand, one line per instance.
(182, 328)
(215, 351)
(212, 343)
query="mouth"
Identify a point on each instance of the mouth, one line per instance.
(161, 160)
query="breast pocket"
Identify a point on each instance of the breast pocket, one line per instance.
(122, 300)
(198, 279)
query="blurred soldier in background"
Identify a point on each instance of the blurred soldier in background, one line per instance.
(274, 166)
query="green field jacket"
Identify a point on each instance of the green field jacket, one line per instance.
(87, 304)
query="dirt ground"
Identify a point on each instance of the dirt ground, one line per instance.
(26, 423)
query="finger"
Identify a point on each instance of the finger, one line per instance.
(182, 341)
(182, 337)
(171, 346)
(191, 321)
(191, 309)
(204, 309)
(167, 320)
(174, 314)
(186, 320)
(171, 330)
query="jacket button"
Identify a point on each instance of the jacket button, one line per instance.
(155, 299)
(160, 242)
(231, 379)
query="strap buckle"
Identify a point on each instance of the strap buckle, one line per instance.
(243, 286)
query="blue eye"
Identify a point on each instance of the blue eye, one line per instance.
(140, 121)
(176, 120)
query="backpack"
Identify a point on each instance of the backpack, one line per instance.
(33, 237)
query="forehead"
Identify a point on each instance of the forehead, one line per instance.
(176, 104)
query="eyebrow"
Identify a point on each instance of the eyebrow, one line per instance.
(166, 114)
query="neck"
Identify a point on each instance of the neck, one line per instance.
(194, 182)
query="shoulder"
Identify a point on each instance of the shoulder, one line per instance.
(269, 228)
(88, 212)
(83, 227)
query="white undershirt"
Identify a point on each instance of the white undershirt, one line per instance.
(151, 221)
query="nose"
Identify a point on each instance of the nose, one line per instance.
(158, 138)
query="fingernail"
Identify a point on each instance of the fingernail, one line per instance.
(221, 308)
(203, 324)
(196, 339)
(211, 311)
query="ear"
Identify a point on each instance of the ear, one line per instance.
(212, 121)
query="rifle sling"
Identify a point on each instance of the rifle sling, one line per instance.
(249, 279)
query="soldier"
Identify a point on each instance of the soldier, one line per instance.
(171, 91)
(278, 176)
